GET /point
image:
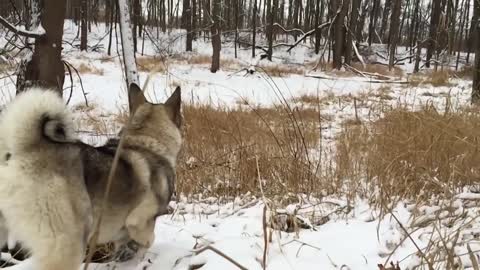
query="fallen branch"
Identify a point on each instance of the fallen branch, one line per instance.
(369, 74)
(288, 31)
(359, 56)
(21, 32)
(326, 77)
(307, 34)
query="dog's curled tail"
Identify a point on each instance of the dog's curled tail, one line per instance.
(36, 117)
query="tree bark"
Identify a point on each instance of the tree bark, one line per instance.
(45, 67)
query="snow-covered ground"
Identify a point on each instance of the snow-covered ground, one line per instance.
(344, 234)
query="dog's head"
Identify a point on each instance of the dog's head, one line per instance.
(161, 122)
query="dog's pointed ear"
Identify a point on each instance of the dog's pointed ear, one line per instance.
(173, 105)
(135, 97)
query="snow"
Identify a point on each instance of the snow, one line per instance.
(343, 234)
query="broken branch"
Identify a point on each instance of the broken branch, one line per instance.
(19, 31)
(307, 34)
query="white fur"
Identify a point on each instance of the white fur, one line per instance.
(40, 219)
(21, 121)
(39, 205)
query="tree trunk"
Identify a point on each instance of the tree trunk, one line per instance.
(236, 10)
(339, 34)
(413, 26)
(112, 21)
(318, 33)
(45, 67)
(361, 21)
(130, 65)
(471, 36)
(476, 70)
(216, 35)
(137, 15)
(373, 21)
(433, 32)
(271, 15)
(352, 25)
(84, 25)
(394, 26)
(383, 27)
(187, 24)
(254, 26)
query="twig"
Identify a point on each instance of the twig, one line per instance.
(211, 248)
(289, 30)
(71, 82)
(430, 266)
(265, 237)
(79, 79)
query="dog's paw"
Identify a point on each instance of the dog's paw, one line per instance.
(127, 251)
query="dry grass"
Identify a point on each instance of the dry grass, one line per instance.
(434, 78)
(465, 72)
(89, 69)
(277, 70)
(307, 99)
(410, 155)
(222, 147)
(151, 64)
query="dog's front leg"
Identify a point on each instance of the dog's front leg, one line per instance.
(140, 222)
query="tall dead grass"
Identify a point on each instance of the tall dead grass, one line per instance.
(222, 147)
(411, 155)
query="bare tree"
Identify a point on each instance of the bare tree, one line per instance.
(84, 25)
(187, 24)
(254, 26)
(339, 32)
(352, 30)
(128, 50)
(433, 32)
(44, 67)
(318, 33)
(375, 6)
(383, 25)
(476, 70)
(216, 35)
(394, 26)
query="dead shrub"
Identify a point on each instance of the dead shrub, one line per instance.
(410, 155)
(222, 147)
